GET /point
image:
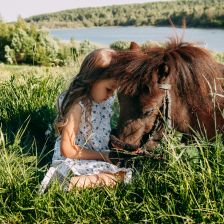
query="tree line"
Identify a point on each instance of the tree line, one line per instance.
(24, 43)
(196, 13)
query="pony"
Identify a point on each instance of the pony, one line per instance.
(178, 85)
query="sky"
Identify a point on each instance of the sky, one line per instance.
(11, 9)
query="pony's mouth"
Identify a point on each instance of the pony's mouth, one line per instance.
(117, 143)
(120, 145)
(145, 137)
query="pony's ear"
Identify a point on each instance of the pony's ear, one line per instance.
(134, 46)
(163, 72)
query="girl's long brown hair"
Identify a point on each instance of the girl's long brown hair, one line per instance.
(93, 68)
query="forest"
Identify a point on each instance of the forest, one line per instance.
(196, 13)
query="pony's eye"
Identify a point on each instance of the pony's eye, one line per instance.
(163, 72)
(148, 112)
(145, 89)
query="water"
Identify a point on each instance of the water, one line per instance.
(213, 39)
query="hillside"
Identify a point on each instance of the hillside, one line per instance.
(197, 13)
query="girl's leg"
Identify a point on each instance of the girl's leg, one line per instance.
(102, 179)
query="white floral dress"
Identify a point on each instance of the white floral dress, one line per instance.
(98, 141)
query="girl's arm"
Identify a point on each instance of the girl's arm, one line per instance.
(68, 147)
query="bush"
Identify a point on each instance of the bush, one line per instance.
(25, 44)
(151, 44)
(120, 45)
(86, 47)
(22, 43)
(219, 57)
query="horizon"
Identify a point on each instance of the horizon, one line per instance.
(28, 8)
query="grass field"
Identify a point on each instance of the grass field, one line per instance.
(186, 187)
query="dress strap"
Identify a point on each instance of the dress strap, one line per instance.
(47, 179)
(81, 104)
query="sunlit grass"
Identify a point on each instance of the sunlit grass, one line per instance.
(20, 70)
(178, 189)
(186, 187)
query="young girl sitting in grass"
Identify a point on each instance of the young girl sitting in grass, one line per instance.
(83, 122)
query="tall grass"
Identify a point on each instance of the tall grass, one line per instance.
(186, 187)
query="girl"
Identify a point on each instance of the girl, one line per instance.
(83, 122)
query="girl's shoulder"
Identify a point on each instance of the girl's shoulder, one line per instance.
(75, 108)
(81, 104)
(74, 113)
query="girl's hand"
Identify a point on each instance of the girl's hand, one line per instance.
(117, 147)
(138, 151)
(105, 155)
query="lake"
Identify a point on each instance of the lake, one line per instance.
(213, 39)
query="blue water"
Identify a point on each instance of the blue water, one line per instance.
(213, 39)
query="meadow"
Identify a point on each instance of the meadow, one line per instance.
(186, 187)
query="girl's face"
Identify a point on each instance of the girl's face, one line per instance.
(103, 89)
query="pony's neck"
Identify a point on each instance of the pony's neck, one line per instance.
(204, 118)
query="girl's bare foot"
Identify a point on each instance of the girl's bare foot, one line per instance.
(97, 180)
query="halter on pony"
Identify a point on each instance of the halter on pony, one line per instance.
(165, 116)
